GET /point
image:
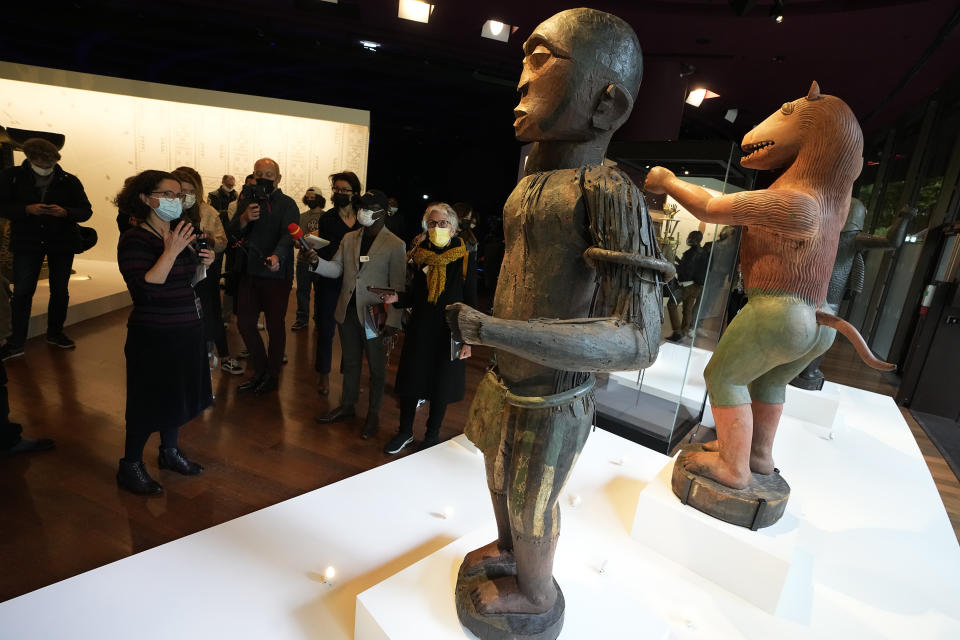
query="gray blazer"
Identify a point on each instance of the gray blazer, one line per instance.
(386, 268)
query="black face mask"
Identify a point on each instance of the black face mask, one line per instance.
(267, 185)
(341, 200)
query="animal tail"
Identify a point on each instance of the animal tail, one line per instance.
(850, 333)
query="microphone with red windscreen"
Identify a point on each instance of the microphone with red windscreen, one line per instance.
(297, 234)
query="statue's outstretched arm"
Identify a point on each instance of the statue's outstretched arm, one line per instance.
(582, 344)
(786, 212)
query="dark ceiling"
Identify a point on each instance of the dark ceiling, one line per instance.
(441, 96)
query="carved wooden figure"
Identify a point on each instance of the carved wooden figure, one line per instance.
(787, 253)
(579, 292)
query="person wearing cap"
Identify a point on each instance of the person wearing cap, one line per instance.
(306, 279)
(368, 257)
(44, 204)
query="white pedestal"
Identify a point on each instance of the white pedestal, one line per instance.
(755, 565)
(418, 602)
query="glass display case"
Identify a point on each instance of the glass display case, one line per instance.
(658, 406)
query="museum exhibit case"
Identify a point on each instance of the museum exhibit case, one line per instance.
(660, 405)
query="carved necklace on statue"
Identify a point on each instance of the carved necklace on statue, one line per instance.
(437, 274)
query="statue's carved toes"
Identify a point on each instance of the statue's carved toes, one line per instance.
(503, 595)
(713, 445)
(709, 464)
(489, 560)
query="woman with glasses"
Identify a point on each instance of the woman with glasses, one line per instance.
(332, 226)
(168, 380)
(430, 367)
(207, 220)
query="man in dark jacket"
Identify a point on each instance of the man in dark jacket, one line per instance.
(692, 273)
(44, 203)
(266, 270)
(224, 195)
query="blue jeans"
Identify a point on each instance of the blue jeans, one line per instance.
(26, 273)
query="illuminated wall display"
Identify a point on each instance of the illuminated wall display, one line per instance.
(115, 128)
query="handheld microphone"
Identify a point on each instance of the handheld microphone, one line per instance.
(297, 234)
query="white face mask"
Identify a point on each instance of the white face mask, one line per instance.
(393, 210)
(189, 200)
(39, 171)
(366, 217)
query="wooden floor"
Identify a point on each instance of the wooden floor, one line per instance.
(62, 514)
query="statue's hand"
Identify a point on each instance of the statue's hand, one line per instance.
(657, 180)
(465, 323)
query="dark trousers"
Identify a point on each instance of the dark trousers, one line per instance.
(353, 344)
(408, 411)
(307, 280)
(328, 292)
(208, 291)
(26, 272)
(270, 296)
(9, 431)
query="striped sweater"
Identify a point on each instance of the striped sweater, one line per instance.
(171, 304)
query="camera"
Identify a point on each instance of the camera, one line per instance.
(255, 193)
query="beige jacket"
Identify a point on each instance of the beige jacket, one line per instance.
(211, 225)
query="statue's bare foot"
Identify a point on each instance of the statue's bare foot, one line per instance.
(487, 554)
(503, 595)
(710, 465)
(761, 462)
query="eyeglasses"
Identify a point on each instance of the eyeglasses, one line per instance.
(338, 190)
(443, 224)
(170, 195)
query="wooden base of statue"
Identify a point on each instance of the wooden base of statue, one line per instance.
(505, 626)
(759, 505)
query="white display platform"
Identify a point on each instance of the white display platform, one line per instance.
(665, 525)
(599, 604)
(885, 561)
(671, 378)
(96, 288)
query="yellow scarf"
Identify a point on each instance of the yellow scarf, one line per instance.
(437, 274)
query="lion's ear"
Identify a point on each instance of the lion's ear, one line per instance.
(814, 93)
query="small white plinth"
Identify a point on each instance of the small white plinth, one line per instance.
(755, 565)
(819, 408)
(418, 602)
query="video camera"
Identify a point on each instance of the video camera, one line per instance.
(255, 193)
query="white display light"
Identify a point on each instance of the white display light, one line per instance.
(697, 96)
(426, 197)
(731, 115)
(496, 30)
(415, 10)
(369, 46)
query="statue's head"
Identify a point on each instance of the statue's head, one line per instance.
(581, 75)
(855, 217)
(819, 130)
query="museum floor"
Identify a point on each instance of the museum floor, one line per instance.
(62, 513)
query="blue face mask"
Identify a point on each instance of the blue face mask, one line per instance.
(169, 209)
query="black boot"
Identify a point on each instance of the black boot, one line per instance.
(267, 384)
(173, 458)
(251, 383)
(339, 414)
(133, 477)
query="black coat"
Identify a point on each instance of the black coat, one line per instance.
(266, 237)
(426, 370)
(18, 189)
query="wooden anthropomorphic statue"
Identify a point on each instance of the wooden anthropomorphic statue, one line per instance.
(787, 254)
(579, 292)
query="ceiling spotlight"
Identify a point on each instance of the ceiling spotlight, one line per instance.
(776, 11)
(496, 30)
(731, 115)
(426, 197)
(369, 46)
(415, 10)
(697, 96)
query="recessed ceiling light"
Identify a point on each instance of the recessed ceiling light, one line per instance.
(369, 46)
(496, 30)
(426, 197)
(415, 10)
(731, 115)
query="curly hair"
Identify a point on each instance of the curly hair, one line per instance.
(128, 200)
